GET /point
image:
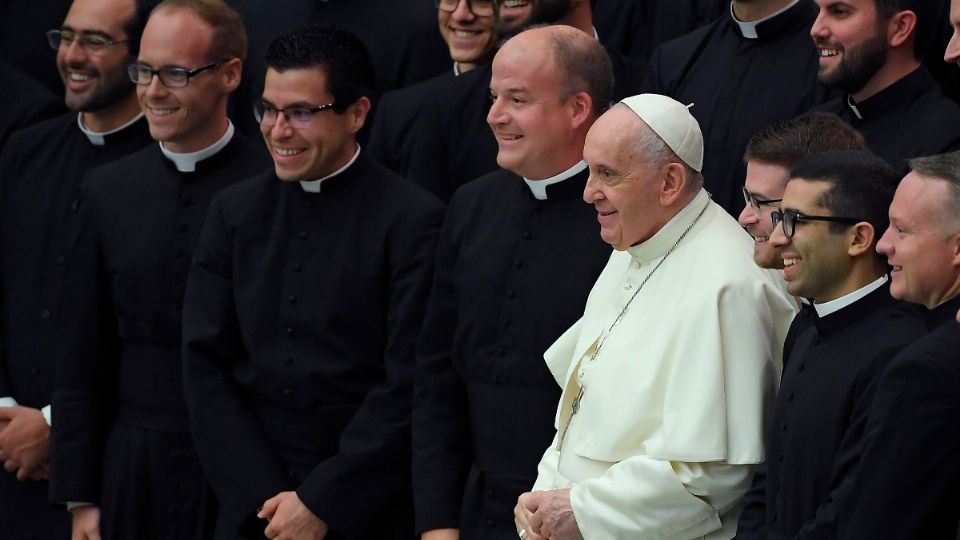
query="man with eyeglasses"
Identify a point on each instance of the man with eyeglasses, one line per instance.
(906, 487)
(303, 306)
(122, 444)
(41, 170)
(826, 230)
(468, 28)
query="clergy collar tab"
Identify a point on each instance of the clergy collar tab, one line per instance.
(187, 161)
(853, 107)
(313, 186)
(749, 29)
(905, 90)
(539, 187)
(99, 138)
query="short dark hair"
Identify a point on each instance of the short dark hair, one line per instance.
(944, 167)
(786, 143)
(229, 39)
(344, 58)
(583, 65)
(861, 185)
(928, 14)
(134, 25)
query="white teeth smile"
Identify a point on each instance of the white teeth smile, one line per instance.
(79, 77)
(515, 3)
(828, 52)
(761, 238)
(161, 112)
(511, 137)
(286, 152)
(465, 34)
(790, 262)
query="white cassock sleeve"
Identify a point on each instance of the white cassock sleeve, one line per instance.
(642, 498)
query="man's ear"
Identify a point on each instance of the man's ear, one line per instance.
(581, 106)
(674, 183)
(358, 112)
(861, 239)
(901, 29)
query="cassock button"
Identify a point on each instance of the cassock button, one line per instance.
(288, 361)
(60, 258)
(518, 263)
(303, 235)
(289, 330)
(45, 314)
(638, 264)
(287, 392)
(292, 299)
(297, 267)
(628, 286)
(527, 235)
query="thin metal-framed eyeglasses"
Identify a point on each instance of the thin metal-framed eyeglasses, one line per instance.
(171, 77)
(299, 116)
(788, 220)
(91, 42)
(482, 8)
(755, 202)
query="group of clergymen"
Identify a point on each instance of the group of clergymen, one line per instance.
(201, 339)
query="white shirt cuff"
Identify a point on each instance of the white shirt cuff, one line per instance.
(47, 413)
(74, 504)
(7, 401)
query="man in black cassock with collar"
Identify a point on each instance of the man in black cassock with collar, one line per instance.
(469, 29)
(906, 487)
(871, 50)
(454, 144)
(122, 444)
(749, 69)
(302, 311)
(41, 169)
(826, 230)
(518, 255)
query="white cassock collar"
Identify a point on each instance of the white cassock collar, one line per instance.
(99, 138)
(539, 187)
(313, 186)
(749, 29)
(187, 162)
(837, 304)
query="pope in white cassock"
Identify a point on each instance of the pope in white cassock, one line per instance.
(668, 376)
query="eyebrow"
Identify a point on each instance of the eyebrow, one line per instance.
(100, 33)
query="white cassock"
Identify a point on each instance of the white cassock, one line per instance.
(671, 421)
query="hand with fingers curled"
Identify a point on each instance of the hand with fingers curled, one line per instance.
(289, 519)
(25, 442)
(546, 515)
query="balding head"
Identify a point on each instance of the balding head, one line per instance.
(543, 104)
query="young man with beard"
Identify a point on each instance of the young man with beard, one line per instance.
(302, 311)
(518, 253)
(468, 28)
(455, 144)
(41, 171)
(906, 487)
(871, 50)
(826, 230)
(122, 442)
(751, 68)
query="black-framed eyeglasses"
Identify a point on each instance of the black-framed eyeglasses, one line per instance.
(90, 42)
(756, 202)
(788, 220)
(171, 77)
(482, 8)
(299, 116)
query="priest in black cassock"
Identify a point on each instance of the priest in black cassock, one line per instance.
(123, 458)
(751, 68)
(518, 255)
(906, 487)
(302, 311)
(873, 54)
(41, 169)
(453, 143)
(469, 29)
(828, 224)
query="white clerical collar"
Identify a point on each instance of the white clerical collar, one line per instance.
(99, 138)
(187, 162)
(658, 244)
(539, 187)
(749, 29)
(313, 186)
(836, 305)
(456, 69)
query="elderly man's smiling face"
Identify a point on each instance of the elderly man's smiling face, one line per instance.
(624, 186)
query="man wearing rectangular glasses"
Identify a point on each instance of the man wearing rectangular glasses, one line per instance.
(41, 170)
(122, 442)
(302, 311)
(826, 231)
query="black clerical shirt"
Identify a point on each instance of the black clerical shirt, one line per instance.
(513, 273)
(738, 86)
(300, 321)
